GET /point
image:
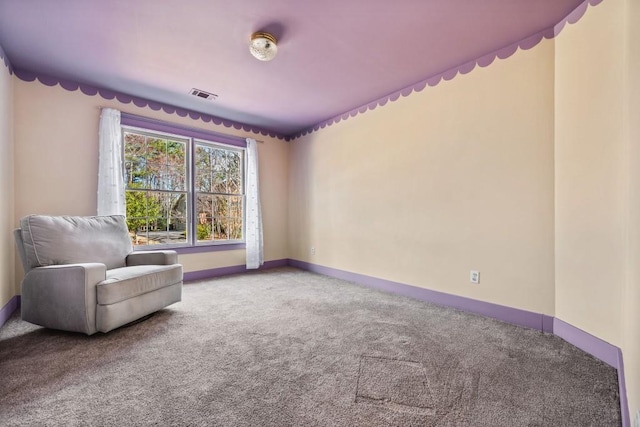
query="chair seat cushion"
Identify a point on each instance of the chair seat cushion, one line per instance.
(129, 282)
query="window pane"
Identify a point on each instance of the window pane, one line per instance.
(203, 179)
(219, 178)
(235, 217)
(203, 182)
(156, 234)
(235, 228)
(204, 229)
(234, 186)
(135, 174)
(219, 160)
(235, 173)
(167, 218)
(220, 220)
(204, 211)
(156, 150)
(179, 205)
(176, 153)
(134, 160)
(157, 165)
(173, 205)
(136, 210)
(154, 176)
(220, 227)
(219, 183)
(134, 146)
(203, 168)
(156, 160)
(220, 207)
(175, 179)
(204, 205)
(219, 173)
(235, 203)
(158, 201)
(234, 165)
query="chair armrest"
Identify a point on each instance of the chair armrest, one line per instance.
(62, 296)
(152, 258)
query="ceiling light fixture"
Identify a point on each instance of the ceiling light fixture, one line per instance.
(263, 46)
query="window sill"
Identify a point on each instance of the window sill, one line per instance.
(182, 250)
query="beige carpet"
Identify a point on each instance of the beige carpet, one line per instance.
(291, 348)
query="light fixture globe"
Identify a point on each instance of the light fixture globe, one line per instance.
(263, 46)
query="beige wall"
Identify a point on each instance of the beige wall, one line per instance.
(631, 320)
(591, 173)
(56, 164)
(597, 166)
(423, 190)
(7, 287)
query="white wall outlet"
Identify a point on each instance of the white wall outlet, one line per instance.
(313, 250)
(636, 421)
(474, 276)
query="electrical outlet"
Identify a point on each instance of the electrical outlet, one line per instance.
(313, 250)
(474, 276)
(636, 421)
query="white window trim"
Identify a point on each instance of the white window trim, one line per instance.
(193, 245)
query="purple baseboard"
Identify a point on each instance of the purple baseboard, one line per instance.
(588, 343)
(8, 309)
(608, 353)
(593, 345)
(622, 384)
(234, 269)
(515, 316)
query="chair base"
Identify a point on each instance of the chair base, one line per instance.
(109, 317)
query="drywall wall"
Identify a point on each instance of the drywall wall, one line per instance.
(631, 320)
(457, 177)
(591, 173)
(7, 253)
(56, 164)
(597, 186)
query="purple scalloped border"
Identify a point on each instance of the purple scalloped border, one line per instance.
(4, 58)
(483, 61)
(575, 15)
(89, 90)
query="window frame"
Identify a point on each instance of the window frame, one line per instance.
(188, 182)
(194, 193)
(152, 127)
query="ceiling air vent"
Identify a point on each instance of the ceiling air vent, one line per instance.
(204, 95)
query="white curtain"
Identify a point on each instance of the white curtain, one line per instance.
(253, 226)
(110, 172)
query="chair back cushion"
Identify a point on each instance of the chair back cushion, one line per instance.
(54, 240)
(17, 234)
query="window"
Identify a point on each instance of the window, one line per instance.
(219, 192)
(182, 190)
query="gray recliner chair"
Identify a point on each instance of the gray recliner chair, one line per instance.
(82, 275)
